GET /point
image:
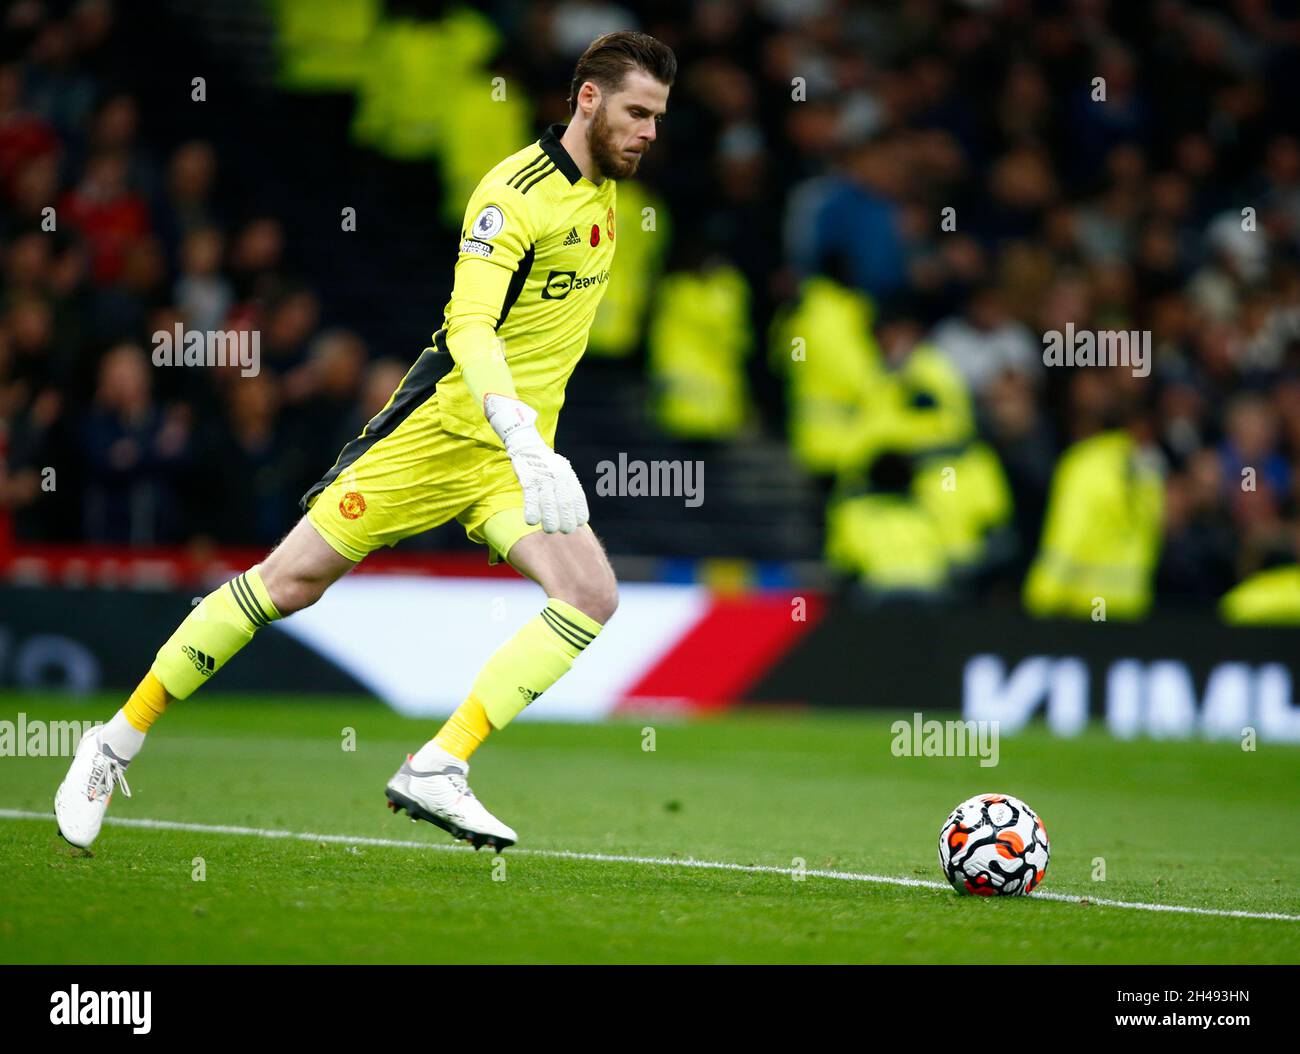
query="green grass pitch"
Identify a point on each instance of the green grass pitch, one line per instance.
(1178, 823)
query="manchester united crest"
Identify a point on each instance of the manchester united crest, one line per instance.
(353, 505)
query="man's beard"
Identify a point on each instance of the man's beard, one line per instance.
(608, 159)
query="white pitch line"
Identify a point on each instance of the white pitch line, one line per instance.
(653, 861)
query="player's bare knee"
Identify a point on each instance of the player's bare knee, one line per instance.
(594, 594)
(289, 591)
(302, 593)
(607, 600)
(297, 572)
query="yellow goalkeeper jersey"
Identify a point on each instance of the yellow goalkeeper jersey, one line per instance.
(535, 254)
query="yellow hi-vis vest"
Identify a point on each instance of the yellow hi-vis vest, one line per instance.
(824, 347)
(1268, 598)
(1101, 534)
(888, 541)
(922, 405)
(426, 92)
(967, 495)
(321, 44)
(699, 338)
(642, 242)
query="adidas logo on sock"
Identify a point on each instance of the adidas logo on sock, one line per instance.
(205, 664)
(528, 693)
(573, 238)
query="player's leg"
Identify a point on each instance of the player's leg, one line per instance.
(406, 465)
(293, 576)
(582, 595)
(571, 568)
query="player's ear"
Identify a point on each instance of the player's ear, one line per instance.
(589, 98)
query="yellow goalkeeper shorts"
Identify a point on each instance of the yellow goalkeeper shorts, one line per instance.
(406, 474)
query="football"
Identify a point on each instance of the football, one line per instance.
(994, 845)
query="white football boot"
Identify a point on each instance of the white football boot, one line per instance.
(84, 794)
(444, 799)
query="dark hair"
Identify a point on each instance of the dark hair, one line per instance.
(608, 60)
(891, 473)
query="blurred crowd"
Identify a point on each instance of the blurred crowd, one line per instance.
(961, 177)
(109, 240)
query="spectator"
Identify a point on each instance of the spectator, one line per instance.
(986, 341)
(135, 453)
(202, 292)
(110, 215)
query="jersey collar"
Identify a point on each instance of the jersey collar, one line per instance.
(550, 143)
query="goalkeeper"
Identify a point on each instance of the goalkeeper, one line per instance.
(535, 255)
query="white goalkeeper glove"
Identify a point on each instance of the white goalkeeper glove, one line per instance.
(553, 496)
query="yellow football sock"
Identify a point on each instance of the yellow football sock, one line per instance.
(223, 622)
(146, 704)
(532, 660)
(465, 730)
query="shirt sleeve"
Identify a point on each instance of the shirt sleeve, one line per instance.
(496, 248)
